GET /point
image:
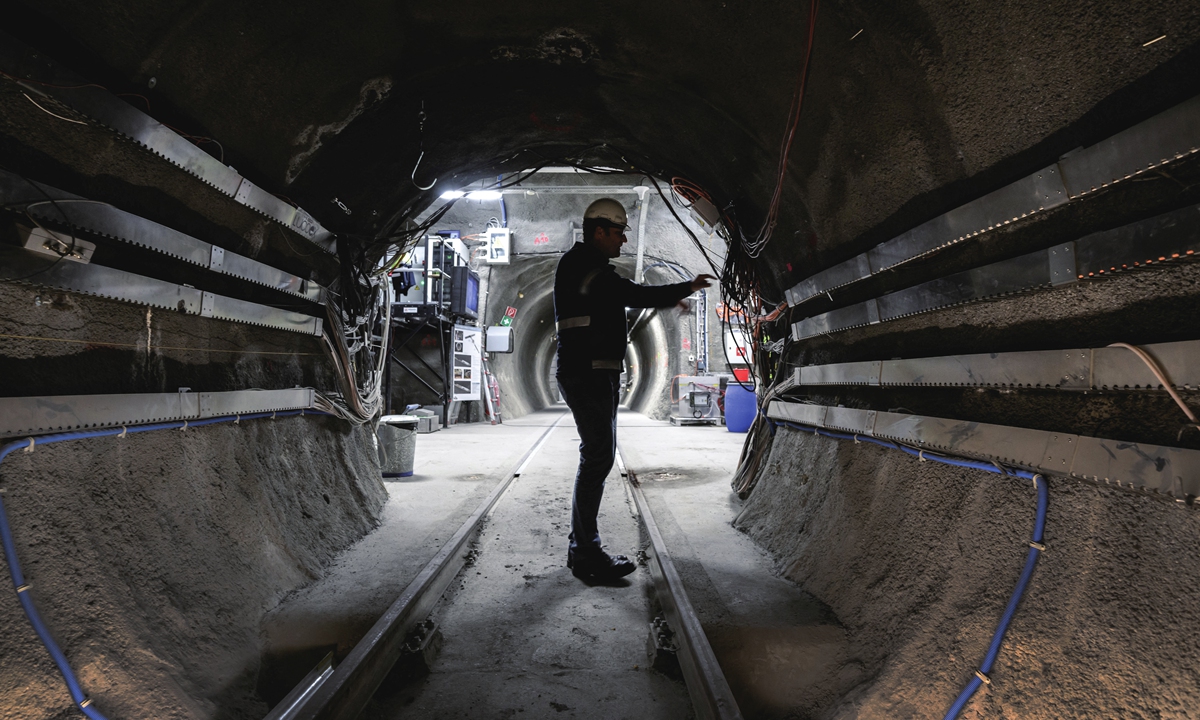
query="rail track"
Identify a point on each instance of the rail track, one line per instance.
(343, 690)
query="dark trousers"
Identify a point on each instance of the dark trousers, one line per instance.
(592, 397)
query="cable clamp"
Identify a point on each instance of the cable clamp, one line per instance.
(856, 440)
(986, 680)
(1037, 546)
(31, 444)
(85, 703)
(1003, 470)
(921, 456)
(1035, 480)
(23, 588)
(124, 432)
(185, 423)
(272, 414)
(237, 419)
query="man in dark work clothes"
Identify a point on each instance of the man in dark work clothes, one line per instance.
(589, 312)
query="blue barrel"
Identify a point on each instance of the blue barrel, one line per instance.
(740, 408)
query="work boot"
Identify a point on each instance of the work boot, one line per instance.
(599, 565)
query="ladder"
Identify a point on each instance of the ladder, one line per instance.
(491, 395)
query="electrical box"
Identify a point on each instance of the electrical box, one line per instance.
(58, 245)
(737, 344)
(697, 400)
(499, 339)
(499, 246)
(705, 214)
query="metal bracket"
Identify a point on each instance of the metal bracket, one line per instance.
(1062, 265)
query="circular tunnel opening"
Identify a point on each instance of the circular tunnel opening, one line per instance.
(542, 213)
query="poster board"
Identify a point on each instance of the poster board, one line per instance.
(465, 351)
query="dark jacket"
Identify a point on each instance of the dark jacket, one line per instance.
(589, 309)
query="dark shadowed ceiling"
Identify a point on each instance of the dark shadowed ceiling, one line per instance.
(911, 107)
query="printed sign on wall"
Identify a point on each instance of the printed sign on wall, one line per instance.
(467, 349)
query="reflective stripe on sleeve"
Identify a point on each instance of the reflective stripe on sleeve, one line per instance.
(573, 322)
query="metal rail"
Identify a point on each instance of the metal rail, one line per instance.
(22, 416)
(32, 268)
(1164, 238)
(1162, 139)
(1105, 368)
(711, 697)
(1174, 472)
(52, 205)
(346, 691)
(75, 94)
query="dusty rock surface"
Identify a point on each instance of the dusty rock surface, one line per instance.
(918, 561)
(154, 557)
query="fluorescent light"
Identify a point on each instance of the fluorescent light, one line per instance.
(485, 195)
(452, 194)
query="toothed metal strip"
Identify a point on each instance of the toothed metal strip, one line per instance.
(1171, 236)
(107, 110)
(108, 221)
(64, 413)
(1164, 138)
(1170, 471)
(104, 108)
(22, 265)
(1076, 369)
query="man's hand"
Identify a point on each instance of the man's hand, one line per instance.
(702, 281)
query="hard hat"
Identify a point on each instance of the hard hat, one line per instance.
(607, 209)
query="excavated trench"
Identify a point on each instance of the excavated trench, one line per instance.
(198, 572)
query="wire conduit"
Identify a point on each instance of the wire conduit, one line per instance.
(29, 444)
(1035, 546)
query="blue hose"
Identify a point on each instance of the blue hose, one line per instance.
(10, 549)
(1031, 559)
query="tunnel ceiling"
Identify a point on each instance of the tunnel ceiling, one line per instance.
(910, 109)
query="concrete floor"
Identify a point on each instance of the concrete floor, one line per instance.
(454, 470)
(783, 653)
(522, 636)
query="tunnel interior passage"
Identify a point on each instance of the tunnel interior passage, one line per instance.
(543, 214)
(962, 238)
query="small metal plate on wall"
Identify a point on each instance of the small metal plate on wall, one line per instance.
(851, 420)
(1062, 264)
(1061, 449)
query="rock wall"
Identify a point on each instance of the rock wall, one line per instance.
(153, 558)
(918, 561)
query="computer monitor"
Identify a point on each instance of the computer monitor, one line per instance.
(464, 293)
